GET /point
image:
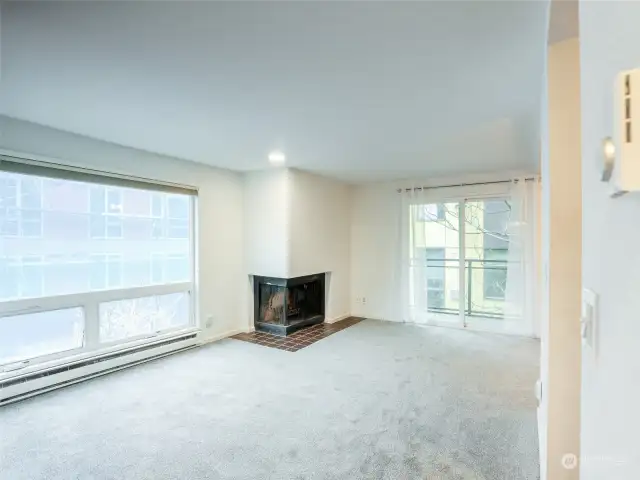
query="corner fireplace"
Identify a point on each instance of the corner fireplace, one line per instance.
(285, 305)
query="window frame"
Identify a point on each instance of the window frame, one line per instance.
(89, 301)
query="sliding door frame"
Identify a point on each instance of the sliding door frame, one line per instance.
(460, 198)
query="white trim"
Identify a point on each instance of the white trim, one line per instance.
(222, 336)
(338, 318)
(90, 303)
(59, 302)
(194, 261)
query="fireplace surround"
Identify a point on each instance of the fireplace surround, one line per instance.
(285, 305)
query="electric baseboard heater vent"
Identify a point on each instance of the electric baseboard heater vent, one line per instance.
(71, 366)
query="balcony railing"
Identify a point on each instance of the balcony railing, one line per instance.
(488, 302)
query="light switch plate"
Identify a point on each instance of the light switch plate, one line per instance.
(589, 320)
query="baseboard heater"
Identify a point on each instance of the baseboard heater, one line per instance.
(73, 369)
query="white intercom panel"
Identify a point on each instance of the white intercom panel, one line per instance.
(626, 169)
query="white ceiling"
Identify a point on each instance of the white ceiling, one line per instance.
(358, 90)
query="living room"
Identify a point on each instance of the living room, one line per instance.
(294, 240)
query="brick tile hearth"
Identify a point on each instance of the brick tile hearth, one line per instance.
(301, 338)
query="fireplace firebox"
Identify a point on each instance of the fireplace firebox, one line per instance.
(285, 305)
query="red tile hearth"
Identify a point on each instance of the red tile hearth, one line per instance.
(301, 338)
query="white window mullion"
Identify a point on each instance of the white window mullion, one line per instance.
(194, 311)
(91, 325)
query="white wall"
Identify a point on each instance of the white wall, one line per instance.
(610, 42)
(266, 221)
(319, 233)
(559, 412)
(297, 224)
(220, 208)
(374, 246)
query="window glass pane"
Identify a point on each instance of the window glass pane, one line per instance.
(97, 226)
(63, 273)
(98, 272)
(36, 334)
(114, 200)
(31, 223)
(157, 268)
(114, 227)
(114, 274)
(156, 205)
(8, 190)
(8, 204)
(31, 281)
(430, 212)
(9, 221)
(178, 206)
(124, 319)
(434, 260)
(157, 229)
(137, 271)
(486, 253)
(176, 268)
(31, 193)
(178, 228)
(96, 199)
(109, 232)
(10, 273)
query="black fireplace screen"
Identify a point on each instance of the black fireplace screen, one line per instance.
(287, 301)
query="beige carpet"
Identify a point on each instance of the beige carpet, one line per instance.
(375, 401)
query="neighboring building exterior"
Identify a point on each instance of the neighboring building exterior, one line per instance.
(59, 236)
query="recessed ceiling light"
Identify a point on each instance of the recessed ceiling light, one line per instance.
(276, 158)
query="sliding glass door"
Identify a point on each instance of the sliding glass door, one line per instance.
(434, 265)
(464, 268)
(486, 261)
(86, 266)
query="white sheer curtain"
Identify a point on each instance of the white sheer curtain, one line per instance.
(412, 270)
(520, 307)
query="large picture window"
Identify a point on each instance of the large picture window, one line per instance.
(86, 263)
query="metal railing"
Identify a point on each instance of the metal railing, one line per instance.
(490, 307)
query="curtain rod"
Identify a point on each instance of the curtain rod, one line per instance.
(528, 179)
